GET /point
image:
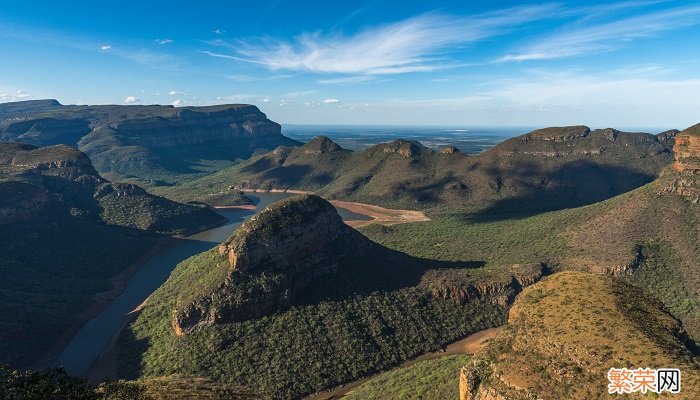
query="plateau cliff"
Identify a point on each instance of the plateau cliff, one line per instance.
(152, 144)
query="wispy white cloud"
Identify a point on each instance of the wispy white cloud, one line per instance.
(219, 31)
(331, 101)
(347, 80)
(178, 103)
(411, 45)
(105, 47)
(131, 100)
(607, 36)
(253, 78)
(164, 41)
(176, 93)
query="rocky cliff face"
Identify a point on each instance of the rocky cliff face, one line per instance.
(687, 163)
(147, 142)
(687, 150)
(500, 290)
(269, 260)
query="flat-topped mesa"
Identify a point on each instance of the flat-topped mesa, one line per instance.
(687, 150)
(321, 145)
(270, 260)
(558, 133)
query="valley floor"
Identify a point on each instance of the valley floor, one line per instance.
(468, 346)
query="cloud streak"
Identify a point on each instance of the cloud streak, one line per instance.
(607, 36)
(411, 45)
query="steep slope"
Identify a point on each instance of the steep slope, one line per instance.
(567, 331)
(547, 169)
(152, 144)
(64, 231)
(648, 236)
(296, 301)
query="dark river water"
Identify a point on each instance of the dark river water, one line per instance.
(95, 335)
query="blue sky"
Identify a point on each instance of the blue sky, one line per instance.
(486, 63)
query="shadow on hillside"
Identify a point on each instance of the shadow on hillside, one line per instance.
(382, 270)
(575, 184)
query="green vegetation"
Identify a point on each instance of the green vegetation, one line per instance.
(659, 275)
(64, 232)
(50, 276)
(430, 379)
(214, 197)
(604, 237)
(529, 173)
(55, 384)
(304, 349)
(130, 206)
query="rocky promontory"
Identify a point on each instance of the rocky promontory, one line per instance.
(270, 259)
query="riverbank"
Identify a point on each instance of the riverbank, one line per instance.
(104, 299)
(468, 346)
(292, 191)
(377, 214)
(242, 207)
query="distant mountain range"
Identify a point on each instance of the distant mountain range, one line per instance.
(543, 170)
(147, 144)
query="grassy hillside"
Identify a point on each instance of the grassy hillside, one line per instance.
(430, 379)
(567, 331)
(302, 350)
(543, 170)
(648, 236)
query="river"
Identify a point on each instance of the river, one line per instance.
(93, 337)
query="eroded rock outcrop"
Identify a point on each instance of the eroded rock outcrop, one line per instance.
(687, 150)
(404, 148)
(269, 260)
(501, 289)
(687, 163)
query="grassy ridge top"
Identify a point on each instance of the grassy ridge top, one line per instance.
(567, 331)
